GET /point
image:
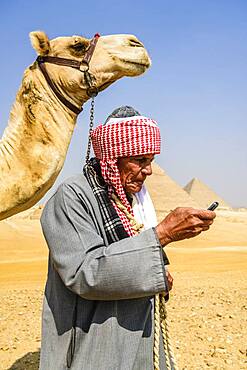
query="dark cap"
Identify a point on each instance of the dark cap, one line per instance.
(122, 112)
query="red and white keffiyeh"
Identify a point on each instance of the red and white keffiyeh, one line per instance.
(123, 137)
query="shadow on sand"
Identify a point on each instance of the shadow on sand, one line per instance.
(30, 361)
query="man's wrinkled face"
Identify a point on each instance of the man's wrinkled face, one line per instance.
(134, 170)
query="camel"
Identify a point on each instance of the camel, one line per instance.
(40, 127)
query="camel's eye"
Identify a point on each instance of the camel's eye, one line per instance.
(80, 44)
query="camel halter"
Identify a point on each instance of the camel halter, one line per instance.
(82, 66)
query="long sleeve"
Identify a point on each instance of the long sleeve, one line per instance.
(130, 268)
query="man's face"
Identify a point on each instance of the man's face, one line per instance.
(134, 170)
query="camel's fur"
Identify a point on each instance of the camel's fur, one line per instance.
(35, 142)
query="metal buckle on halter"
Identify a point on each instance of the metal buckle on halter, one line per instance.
(92, 91)
(82, 66)
(40, 59)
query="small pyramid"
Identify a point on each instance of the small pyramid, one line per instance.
(166, 194)
(33, 213)
(36, 214)
(203, 195)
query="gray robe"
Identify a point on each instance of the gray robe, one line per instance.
(98, 303)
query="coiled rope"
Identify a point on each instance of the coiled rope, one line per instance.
(160, 314)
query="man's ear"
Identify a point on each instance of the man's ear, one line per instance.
(40, 42)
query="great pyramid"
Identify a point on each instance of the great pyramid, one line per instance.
(203, 195)
(166, 194)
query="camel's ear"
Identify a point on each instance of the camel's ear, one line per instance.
(40, 42)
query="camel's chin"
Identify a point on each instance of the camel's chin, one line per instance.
(137, 69)
(132, 69)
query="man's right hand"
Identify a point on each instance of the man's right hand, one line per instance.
(184, 223)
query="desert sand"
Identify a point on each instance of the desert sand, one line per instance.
(207, 309)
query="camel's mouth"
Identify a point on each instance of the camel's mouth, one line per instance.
(144, 64)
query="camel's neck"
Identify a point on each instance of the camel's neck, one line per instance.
(34, 144)
(37, 118)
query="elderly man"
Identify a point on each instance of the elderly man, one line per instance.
(107, 258)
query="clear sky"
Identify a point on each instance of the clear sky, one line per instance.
(196, 88)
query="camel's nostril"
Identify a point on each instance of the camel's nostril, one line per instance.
(135, 42)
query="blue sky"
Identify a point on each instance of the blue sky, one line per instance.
(196, 88)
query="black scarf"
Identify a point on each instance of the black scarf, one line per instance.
(112, 223)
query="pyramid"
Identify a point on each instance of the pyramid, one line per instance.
(33, 213)
(203, 195)
(36, 214)
(166, 194)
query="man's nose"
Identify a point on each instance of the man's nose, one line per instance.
(147, 170)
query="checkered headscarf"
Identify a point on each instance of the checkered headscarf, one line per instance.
(123, 137)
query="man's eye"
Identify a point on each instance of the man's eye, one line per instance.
(142, 160)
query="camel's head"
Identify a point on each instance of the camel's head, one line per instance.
(115, 56)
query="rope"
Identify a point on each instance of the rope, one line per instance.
(134, 224)
(156, 348)
(163, 327)
(160, 313)
(166, 332)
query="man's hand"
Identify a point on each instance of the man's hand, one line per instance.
(184, 223)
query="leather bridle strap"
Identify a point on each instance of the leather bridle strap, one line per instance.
(82, 66)
(89, 53)
(66, 102)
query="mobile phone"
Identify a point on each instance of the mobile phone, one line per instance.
(213, 206)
